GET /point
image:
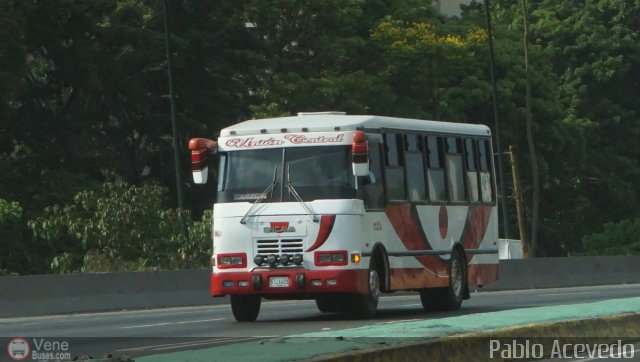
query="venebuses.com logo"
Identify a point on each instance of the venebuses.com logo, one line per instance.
(38, 349)
(18, 349)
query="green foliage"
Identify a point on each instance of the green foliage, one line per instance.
(11, 235)
(121, 227)
(621, 238)
(426, 65)
(83, 88)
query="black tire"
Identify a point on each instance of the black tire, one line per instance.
(245, 308)
(366, 305)
(328, 304)
(450, 297)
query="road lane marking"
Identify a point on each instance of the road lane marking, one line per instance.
(400, 321)
(112, 315)
(205, 343)
(201, 321)
(567, 293)
(167, 323)
(158, 347)
(146, 325)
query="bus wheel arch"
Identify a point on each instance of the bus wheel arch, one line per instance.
(366, 305)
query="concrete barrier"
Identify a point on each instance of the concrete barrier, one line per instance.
(566, 272)
(72, 293)
(57, 294)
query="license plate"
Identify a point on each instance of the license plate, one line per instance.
(279, 282)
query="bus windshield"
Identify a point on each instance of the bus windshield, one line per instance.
(320, 172)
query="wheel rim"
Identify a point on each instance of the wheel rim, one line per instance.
(456, 277)
(374, 285)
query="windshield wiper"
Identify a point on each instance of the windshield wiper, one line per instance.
(295, 194)
(263, 195)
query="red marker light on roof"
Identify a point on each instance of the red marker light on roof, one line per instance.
(360, 154)
(201, 148)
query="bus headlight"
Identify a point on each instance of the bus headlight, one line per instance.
(284, 259)
(232, 260)
(326, 258)
(272, 260)
(297, 259)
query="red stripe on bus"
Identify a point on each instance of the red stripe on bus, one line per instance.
(475, 228)
(326, 226)
(406, 223)
(415, 278)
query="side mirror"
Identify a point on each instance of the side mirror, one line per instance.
(360, 154)
(201, 148)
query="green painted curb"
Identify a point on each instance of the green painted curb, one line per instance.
(442, 338)
(477, 346)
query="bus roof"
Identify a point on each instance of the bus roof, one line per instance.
(329, 122)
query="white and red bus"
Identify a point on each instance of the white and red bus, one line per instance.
(342, 208)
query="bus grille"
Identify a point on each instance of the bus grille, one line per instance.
(278, 246)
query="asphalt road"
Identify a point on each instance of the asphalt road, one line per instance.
(143, 332)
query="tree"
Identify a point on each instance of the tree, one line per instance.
(624, 233)
(421, 61)
(11, 229)
(317, 57)
(120, 227)
(530, 142)
(594, 51)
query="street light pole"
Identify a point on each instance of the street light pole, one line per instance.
(505, 219)
(174, 126)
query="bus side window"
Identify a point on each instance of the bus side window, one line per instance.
(455, 170)
(435, 169)
(372, 188)
(394, 167)
(472, 169)
(415, 167)
(486, 185)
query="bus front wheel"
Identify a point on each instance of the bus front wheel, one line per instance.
(330, 304)
(245, 308)
(366, 305)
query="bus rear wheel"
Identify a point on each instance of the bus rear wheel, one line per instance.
(449, 297)
(245, 308)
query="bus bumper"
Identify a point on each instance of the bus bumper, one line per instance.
(289, 282)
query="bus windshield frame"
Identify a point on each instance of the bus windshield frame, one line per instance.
(316, 173)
